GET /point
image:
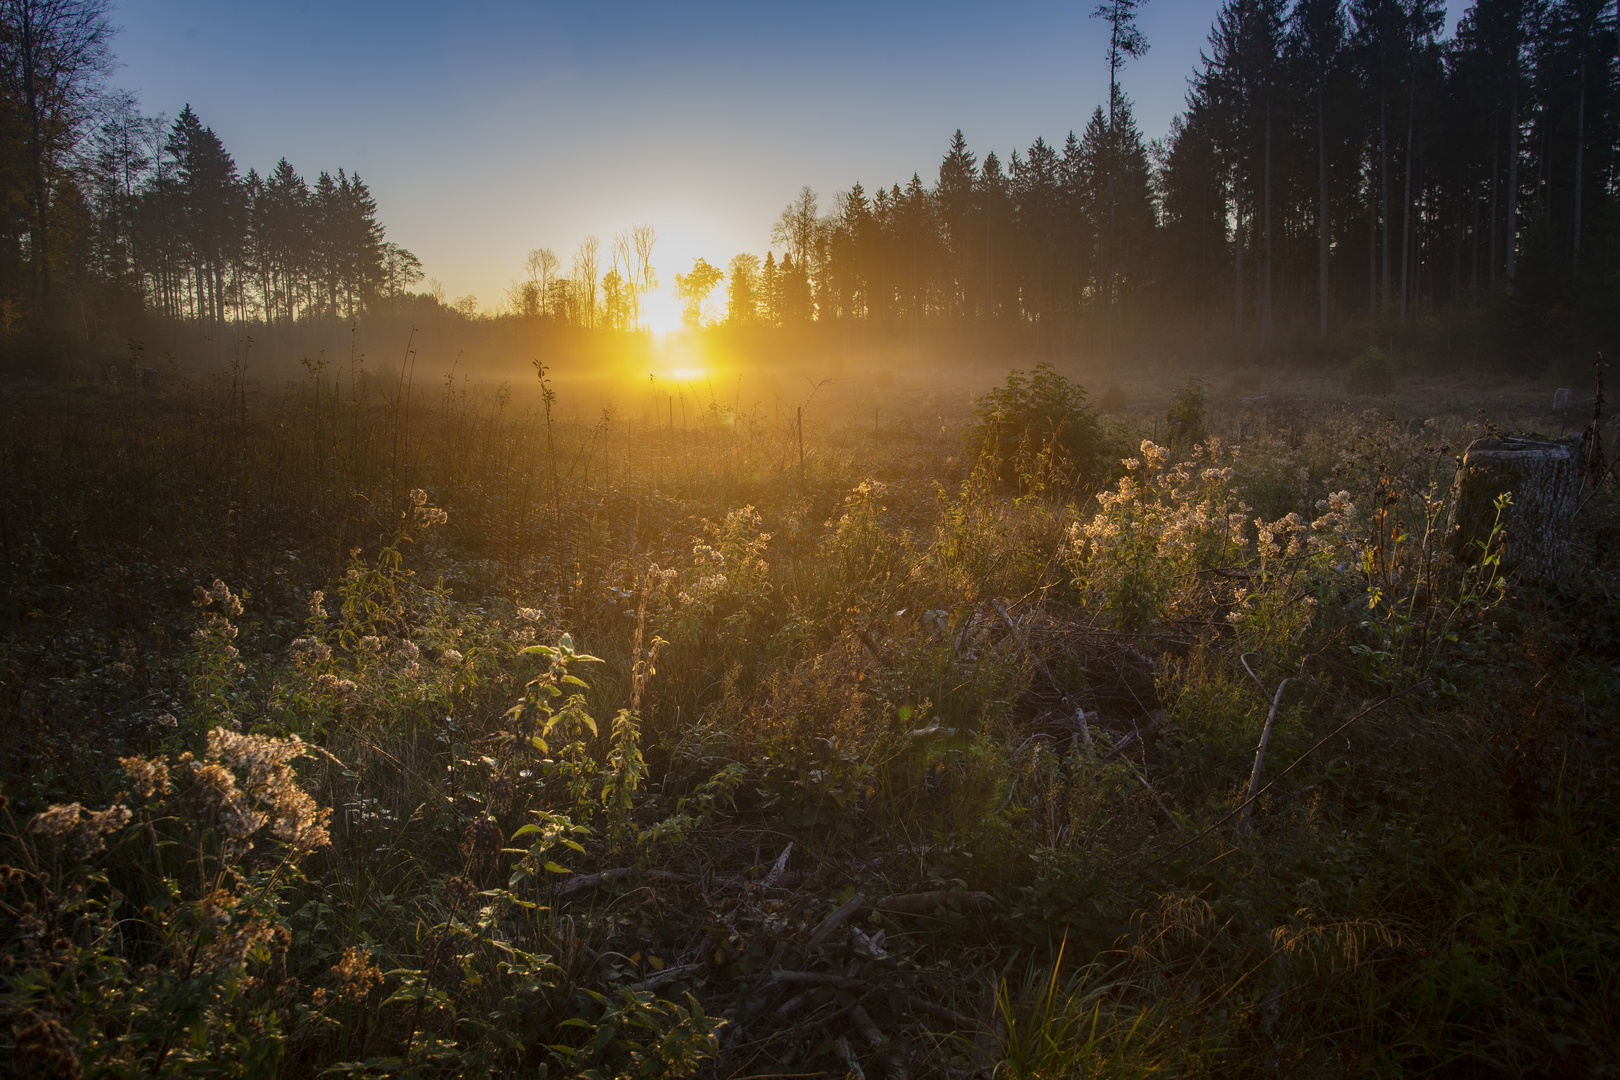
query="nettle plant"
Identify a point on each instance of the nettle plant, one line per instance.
(393, 643)
(727, 583)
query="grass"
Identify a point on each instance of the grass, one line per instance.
(501, 739)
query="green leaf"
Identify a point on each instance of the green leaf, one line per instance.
(557, 869)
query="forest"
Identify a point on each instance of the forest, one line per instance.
(1341, 174)
(1133, 606)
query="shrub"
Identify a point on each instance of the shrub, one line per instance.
(1187, 413)
(1040, 427)
(1371, 373)
(1246, 380)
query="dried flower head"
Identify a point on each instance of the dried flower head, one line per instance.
(307, 650)
(418, 497)
(343, 689)
(217, 593)
(88, 829)
(450, 657)
(150, 776)
(269, 793)
(357, 975)
(57, 820)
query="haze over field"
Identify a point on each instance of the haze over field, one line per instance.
(1263, 182)
(737, 541)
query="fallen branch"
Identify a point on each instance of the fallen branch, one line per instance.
(818, 978)
(940, 1012)
(925, 903)
(850, 1062)
(663, 978)
(586, 882)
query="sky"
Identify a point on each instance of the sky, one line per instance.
(487, 128)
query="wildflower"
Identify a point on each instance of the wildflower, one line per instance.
(149, 775)
(357, 975)
(86, 827)
(418, 497)
(529, 614)
(407, 651)
(431, 515)
(317, 602)
(58, 820)
(410, 670)
(343, 688)
(165, 719)
(269, 780)
(217, 593)
(1234, 526)
(869, 489)
(450, 657)
(1340, 511)
(309, 651)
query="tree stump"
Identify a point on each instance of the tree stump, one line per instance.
(1544, 478)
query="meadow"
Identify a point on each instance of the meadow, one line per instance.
(883, 723)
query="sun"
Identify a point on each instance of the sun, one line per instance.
(661, 313)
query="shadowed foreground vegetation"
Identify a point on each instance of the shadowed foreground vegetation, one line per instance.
(424, 733)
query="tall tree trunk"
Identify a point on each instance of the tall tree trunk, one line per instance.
(1496, 213)
(1383, 196)
(1580, 168)
(38, 240)
(1473, 286)
(1265, 210)
(1406, 195)
(1513, 178)
(1372, 246)
(1113, 91)
(1322, 215)
(1237, 238)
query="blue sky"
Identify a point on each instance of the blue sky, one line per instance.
(489, 127)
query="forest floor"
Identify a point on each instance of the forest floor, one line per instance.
(375, 729)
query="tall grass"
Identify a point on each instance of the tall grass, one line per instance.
(560, 693)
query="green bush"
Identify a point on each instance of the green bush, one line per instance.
(1040, 427)
(1187, 413)
(1371, 373)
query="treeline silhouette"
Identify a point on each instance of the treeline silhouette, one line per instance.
(1339, 170)
(1341, 173)
(111, 221)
